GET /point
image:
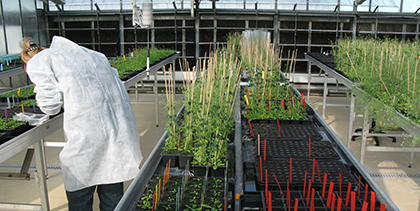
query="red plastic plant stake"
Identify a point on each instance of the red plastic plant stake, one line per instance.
(312, 199)
(372, 200)
(317, 169)
(290, 173)
(323, 186)
(266, 184)
(313, 169)
(353, 201)
(365, 206)
(304, 103)
(333, 203)
(309, 148)
(269, 201)
(261, 174)
(154, 197)
(309, 192)
(383, 207)
(358, 188)
(278, 185)
(339, 204)
(330, 193)
(304, 183)
(252, 132)
(265, 148)
(340, 184)
(366, 191)
(282, 103)
(278, 127)
(348, 195)
(301, 99)
(296, 204)
(288, 198)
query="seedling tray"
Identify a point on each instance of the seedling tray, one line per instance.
(281, 168)
(284, 148)
(278, 202)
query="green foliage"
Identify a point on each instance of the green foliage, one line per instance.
(22, 92)
(385, 70)
(139, 60)
(10, 124)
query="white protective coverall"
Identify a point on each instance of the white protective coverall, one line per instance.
(103, 145)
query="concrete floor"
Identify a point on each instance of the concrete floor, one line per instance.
(404, 192)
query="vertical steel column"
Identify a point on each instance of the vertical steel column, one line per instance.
(365, 131)
(121, 22)
(417, 27)
(197, 38)
(352, 116)
(184, 38)
(276, 30)
(324, 96)
(214, 33)
(404, 30)
(354, 30)
(309, 63)
(40, 174)
(309, 80)
(155, 90)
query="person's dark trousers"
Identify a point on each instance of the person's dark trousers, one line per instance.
(109, 196)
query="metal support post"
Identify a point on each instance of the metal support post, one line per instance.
(40, 174)
(351, 119)
(155, 90)
(309, 79)
(411, 159)
(365, 132)
(44, 158)
(324, 97)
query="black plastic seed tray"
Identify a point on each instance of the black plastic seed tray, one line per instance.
(281, 168)
(284, 148)
(299, 131)
(279, 201)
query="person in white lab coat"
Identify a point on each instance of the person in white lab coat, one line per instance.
(103, 146)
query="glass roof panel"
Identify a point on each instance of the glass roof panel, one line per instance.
(327, 5)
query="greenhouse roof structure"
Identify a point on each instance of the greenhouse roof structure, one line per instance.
(394, 6)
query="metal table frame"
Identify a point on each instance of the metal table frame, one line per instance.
(36, 135)
(12, 72)
(411, 128)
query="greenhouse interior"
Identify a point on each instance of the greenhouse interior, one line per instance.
(225, 94)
